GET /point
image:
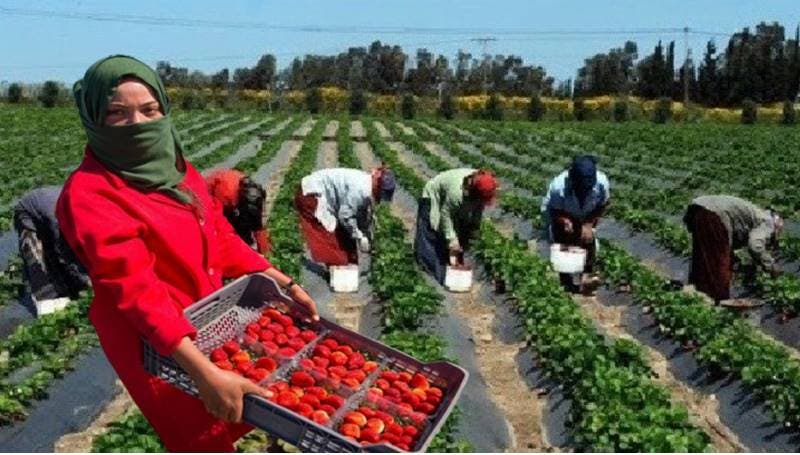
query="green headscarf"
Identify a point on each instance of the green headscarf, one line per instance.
(147, 155)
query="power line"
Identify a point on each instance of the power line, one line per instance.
(391, 30)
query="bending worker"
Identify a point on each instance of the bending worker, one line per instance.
(50, 267)
(719, 225)
(575, 201)
(242, 202)
(449, 213)
(335, 209)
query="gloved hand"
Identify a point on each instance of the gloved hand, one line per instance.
(363, 244)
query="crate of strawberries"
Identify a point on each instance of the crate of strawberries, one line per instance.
(334, 390)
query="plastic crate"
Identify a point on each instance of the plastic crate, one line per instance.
(225, 313)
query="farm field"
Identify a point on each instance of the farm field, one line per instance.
(644, 366)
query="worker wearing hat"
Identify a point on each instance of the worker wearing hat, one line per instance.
(575, 201)
(449, 213)
(335, 210)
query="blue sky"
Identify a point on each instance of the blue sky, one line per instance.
(35, 48)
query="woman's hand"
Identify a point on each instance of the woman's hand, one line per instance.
(222, 392)
(300, 296)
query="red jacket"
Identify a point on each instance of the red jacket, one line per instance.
(149, 257)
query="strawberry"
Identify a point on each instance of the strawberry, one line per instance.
(321, 361)
(374, 391)
(281, 386)
(382, 384)
(264, 321)
(253, 327)
(304, 409)
(267, 363)
(434, 400)
(281, 339)
(411, 399)
(405, 376)
(318, 392)
(241, 356)
(390, 438)
(385, 417)
(401, 386)
(351, 382)
(296, 343)
(245, 366)
(284, 320)
(394, 429)
(311, 400)
(376, 425)
(358, 375)
(426, 408)
(297, 391)
(320, 417)
(369, 366)
(403, 447)
(327, 408)
(339, 371)
(249, 339)
(348, 429)
(348, 351)
(338, 358)
(231, 347)
(224, 364)
(276, 328)
(419, 382)
(257, 374)
(390, 376)
(368, 412)
(218, 354)
(330, 343)
(369, 435)
(322, 351)
(286, 352)
(302, 379)
(270, 348)
(292, 331)
(333, 400)
(308, 335)
(392, 392)
(435, 391)
(266, 335)
(356, 418)
(355, 361)
(406, 439)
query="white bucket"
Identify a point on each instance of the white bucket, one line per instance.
(48, 306)
(567, 259)
(458, 279)
(344, 278)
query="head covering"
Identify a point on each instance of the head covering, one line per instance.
(387, 185)
(147, 155)
(485, 186)
(223, 185)
(583, 173)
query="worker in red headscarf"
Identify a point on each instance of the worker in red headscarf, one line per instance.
(449, 213)
(242, 202)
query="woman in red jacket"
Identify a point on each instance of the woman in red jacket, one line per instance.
(141, 220)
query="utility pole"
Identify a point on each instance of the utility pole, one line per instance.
(687, 55)
(484, 42)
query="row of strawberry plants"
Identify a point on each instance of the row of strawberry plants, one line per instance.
(207, 137)
(229, 148)
(11, 283)
(603, 379)
(270, 147)
(287, 243)
(407, 300)
(721, 341)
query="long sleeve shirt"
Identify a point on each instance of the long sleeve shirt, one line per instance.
(450, 210)
(747, 224)
(561, 196)
(344, 198)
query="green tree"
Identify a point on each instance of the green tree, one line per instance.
(536, 108)
(447, 108)
(789, 113)
(358, 102)
(663, 110)
(408, 106)
(579, 110)
(314, 100)
(494, 108)
(749, 112)
(620, 110)
(51, 93)
(14, 93)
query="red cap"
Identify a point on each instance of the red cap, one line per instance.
(485, 186)
(223, 185)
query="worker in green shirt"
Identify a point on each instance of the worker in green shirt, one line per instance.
(449, 213)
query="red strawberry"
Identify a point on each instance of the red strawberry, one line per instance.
(355, 418)
(369, 435)
(426, 408)
(286, 352)
(241, 356)
(244, 367)
(311, 400)
(403, 447)
(292, 331)
(304, 410)
(355, 361)
(253, 327)
(376, 424)
(218, 355)
(288, 399)
(302, 379)
(411, 399)
(405, 376)
(266, 335)
(267, 364)
(257, 374)
(224, 364)
(382, 384)
(369, 366)
(419, 382)
(264, 321)
(394, 429)
(321, 361)
(339, 371)
(358, 375)
(409, 430)
(275, 327)
(350, 382)
(284, 320)
(322, 351)
(249, 339)
(390, 376)
(270, 348)
(231, 347)
(318, 392)
(350, 430)
(391, 438)
(368, 412)
(307, 364)
(435, 391)
(281, 386)
(327, 408)
(296, 343)
(401, 386)
(333, 400)
(330, 343)
(348, 351)
(308, 335)
(338, 358)
(392, 392)
(320, 417)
